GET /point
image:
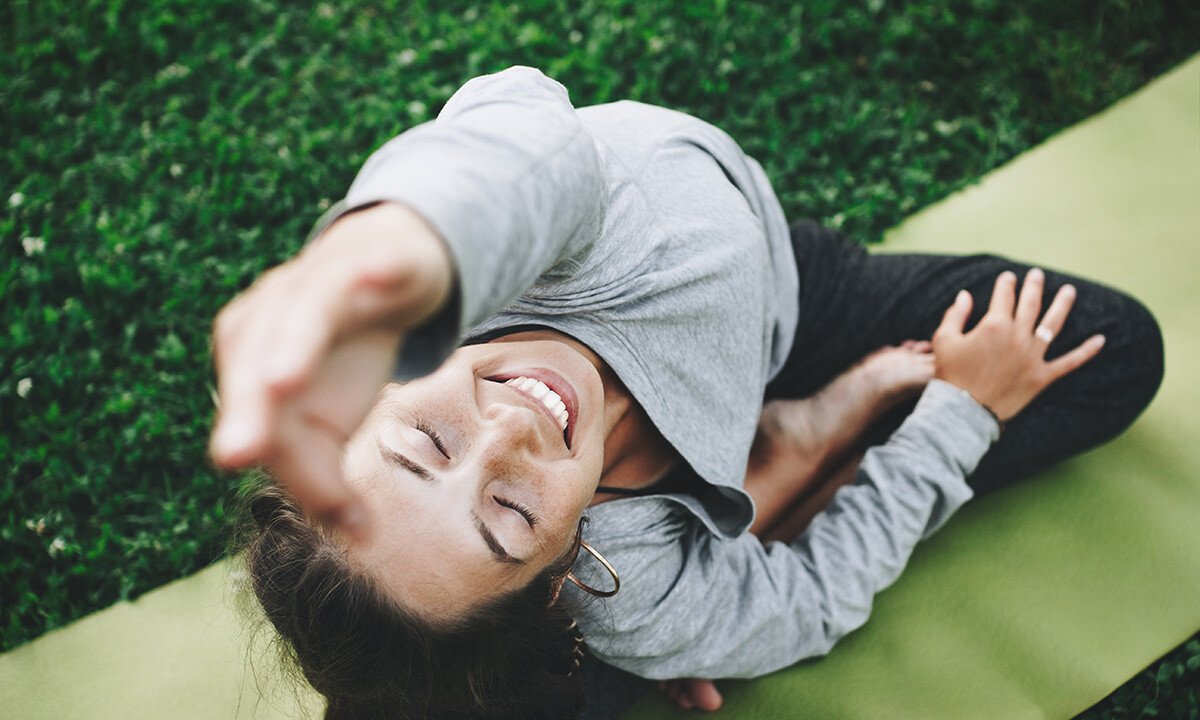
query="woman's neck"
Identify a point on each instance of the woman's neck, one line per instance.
(636, 454)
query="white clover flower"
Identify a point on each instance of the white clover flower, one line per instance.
(945, 128)
(417, 109)
(724, 67)
(283, 153)
(174, 71)
(406, 57)
(16, 199)
(575, 36)
(57, 546)
(33, 246)
(24, 385)
(325, 10)
(656, 44)
(176, 169)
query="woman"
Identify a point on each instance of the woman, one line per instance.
(627, 289)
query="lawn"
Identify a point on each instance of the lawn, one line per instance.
(159, 155)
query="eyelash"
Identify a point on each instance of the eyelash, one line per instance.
(436, 439)
(524, 511)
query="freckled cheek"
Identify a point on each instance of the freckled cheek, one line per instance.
(571, 496)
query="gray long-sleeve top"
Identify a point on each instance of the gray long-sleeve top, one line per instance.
(649, 236)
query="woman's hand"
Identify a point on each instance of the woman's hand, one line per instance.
(1001, 361)
(302, 353)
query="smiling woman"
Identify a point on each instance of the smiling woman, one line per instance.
(489, 463)
(602, 315)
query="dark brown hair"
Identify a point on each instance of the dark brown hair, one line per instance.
(514, 657)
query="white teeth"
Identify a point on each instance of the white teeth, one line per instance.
(541, 392)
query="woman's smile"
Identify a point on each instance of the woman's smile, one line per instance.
(549, 391)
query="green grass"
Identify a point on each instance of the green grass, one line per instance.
(159, 155)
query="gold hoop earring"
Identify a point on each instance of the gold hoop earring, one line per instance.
(591, 590)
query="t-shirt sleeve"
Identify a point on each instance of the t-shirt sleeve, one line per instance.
(508, 177)
(695, 604)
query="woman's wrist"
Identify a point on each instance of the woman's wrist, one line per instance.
(396, 263)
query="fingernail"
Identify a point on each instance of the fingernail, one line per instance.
(1036, 274)
(1098, 341)
(962, 295)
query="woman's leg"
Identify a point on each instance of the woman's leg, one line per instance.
(852, 303)
(801, 442)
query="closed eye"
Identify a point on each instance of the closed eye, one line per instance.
(521, 509)
(436, 439)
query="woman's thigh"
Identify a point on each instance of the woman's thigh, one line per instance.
(853, 302)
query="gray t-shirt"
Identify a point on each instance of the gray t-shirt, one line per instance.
(649, 236)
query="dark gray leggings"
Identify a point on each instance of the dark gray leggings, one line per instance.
(853, 302)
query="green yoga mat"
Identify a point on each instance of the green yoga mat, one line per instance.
(1033, 603)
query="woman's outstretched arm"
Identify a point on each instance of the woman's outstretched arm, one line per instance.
(301, 354)
(443, 226)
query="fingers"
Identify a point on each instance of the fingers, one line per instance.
(917, 346)
(240, 433)
(239, 439)
(1073, 360)
(1003, 294)
(1029, 305)
(1056, 315)
(956, 315)
(266, 344)
(307, 461)
(299, 342)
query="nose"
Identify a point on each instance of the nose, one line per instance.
(512, 430)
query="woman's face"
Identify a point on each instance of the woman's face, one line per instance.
(475, 479)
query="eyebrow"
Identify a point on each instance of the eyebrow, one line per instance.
(493, 544)
(402, 461)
